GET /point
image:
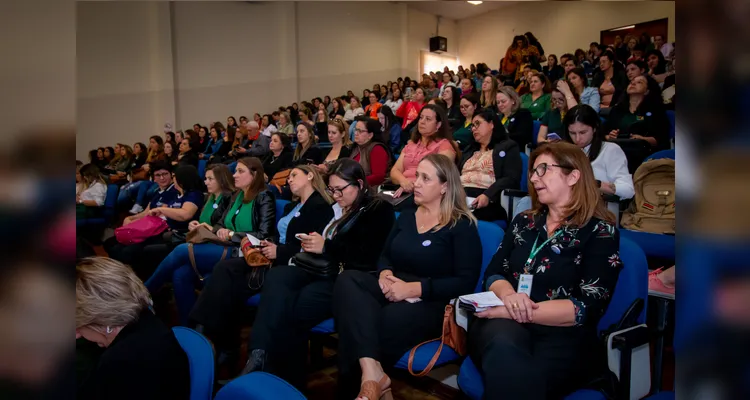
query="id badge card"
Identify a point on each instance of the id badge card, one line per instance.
(524, 284)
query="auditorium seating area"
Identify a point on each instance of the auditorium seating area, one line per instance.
(639, 321)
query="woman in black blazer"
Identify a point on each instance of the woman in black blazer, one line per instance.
(491, 151)
(143, 359)
(517, 121)
(218, 311)
(293, 301)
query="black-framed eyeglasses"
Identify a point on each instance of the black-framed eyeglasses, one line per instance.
(360, 131)
(163, 175)
(337, 191)
(542, 168)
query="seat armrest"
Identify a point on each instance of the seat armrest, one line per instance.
(515, 193)
(610, 198)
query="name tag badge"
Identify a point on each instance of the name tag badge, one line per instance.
(426, 243)
(216, 206)
(236, 212)
(296, 215)
(524, 284)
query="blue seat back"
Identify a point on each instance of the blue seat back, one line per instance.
(280, 204)
(110, 202)
(202, 168)
(524, 172)
(535, 133)
(259, 386)
(661, 154)
(672, 126)
(201, 358)
(232, 167)
(632, 284)
(490, 236)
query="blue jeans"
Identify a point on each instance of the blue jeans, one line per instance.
(176, 266)
(139, 192)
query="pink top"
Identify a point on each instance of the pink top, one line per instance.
(414, 153)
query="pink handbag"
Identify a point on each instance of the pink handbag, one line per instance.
(140, 230)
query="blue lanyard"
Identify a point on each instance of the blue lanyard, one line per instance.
(535, 250)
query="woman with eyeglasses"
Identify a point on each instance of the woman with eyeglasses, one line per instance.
(566, 251)
(490, 164)
(577, 91)
(552, 119)
(432, 255)
(294, 300)
(371, 151)
(219, 309)
(468, 105)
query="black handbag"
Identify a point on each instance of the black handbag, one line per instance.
(317, 265)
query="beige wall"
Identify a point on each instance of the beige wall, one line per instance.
(124, 82)
(142, 64)
(561, 27)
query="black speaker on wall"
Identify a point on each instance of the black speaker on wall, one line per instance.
(438, 44)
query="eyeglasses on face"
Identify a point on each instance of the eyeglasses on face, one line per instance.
(162, 175)
(542, 168)
(360, 131)
(337, 192)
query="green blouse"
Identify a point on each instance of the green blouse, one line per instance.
(463, 134)
(208, 209)
(553, 121)
(537, 107)
(239, 218)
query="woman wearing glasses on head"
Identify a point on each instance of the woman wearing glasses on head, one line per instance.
(552, 126)
(566, 250)
(294, 300)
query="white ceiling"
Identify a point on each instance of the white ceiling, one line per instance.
(457, 9)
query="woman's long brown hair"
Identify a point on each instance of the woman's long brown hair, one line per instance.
(586, 200)
(258, 185)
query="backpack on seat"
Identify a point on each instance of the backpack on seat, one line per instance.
(653, 207)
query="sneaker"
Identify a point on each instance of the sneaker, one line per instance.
(655, 284)
(136, 209)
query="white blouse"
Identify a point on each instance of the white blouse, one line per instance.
(611, 165)
(394, 105)
(351, 114)
(97, 192)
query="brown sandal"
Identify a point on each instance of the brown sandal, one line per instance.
(376, 390)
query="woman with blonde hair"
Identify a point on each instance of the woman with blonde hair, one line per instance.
(285, 123)
(91, 191)
(517, 121)
(489, 92)
(307, 152)
(218, 311)
(566, 248)
(340, 143)
(432, 255)
(143, 359)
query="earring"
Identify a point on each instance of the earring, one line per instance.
(109, 330)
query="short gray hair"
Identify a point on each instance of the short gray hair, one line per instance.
(108, 293)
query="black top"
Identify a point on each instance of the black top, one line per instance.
(649, 120)
(345, 152)
(223, 151)
(446, 262)
(585, 271)
(619, 80)
(506, 162)
(321, 129)
(521, 127)
(145, 361)
(555, 73)
(455, 118)
(359, 247)
(313, 155)
(224, 204)
(189, 158)
(312, 217)
(264, 218)
(341, 112)
(273, 164)
(138, 162)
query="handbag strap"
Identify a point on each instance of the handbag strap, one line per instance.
(432, 362)
(191, 255)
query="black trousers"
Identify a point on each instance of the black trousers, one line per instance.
(527, 361)
(222, 301)
(493, 211)
(292, 302)
(371, 326)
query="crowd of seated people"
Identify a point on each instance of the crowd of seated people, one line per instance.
(447, 146)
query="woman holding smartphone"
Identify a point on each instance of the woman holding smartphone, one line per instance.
(552, 126)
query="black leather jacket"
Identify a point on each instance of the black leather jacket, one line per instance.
(264, 218)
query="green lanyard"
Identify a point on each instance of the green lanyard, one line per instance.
(535, 250)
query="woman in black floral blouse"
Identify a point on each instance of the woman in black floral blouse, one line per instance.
(542, 342)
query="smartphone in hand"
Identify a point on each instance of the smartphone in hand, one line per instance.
(553, 137)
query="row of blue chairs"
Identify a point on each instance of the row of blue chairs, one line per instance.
(632, 285)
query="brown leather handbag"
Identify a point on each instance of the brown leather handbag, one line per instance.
(199, 235)
(279, 179)
(253, 256)
(139, 174)
(453, 336)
